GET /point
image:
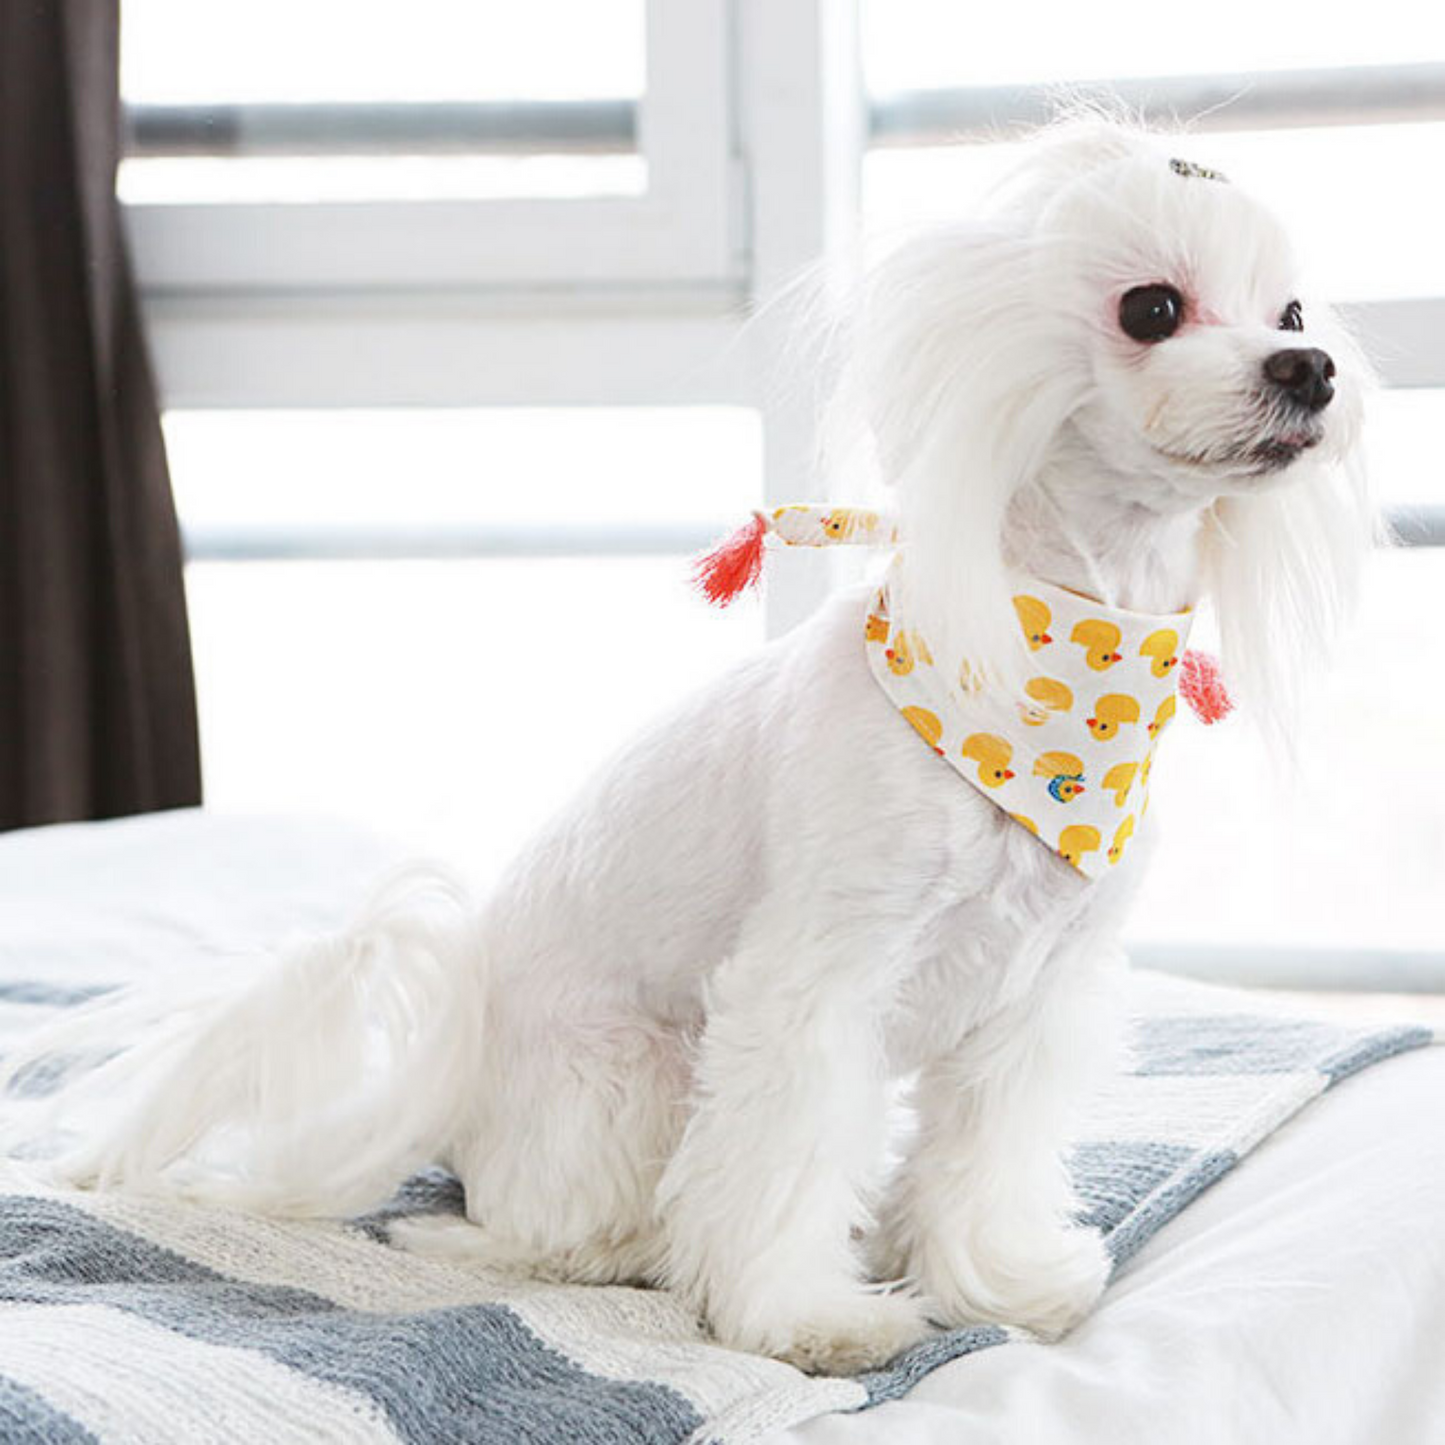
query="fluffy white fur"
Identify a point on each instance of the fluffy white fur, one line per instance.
(664, 1048)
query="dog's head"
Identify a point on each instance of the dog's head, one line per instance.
(1133, 326)
(1204, 370)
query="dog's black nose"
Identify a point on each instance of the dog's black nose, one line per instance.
(1303, 373)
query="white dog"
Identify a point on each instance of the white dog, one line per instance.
(664, 1049)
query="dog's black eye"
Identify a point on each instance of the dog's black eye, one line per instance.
(1292, 318)
(1151, 313)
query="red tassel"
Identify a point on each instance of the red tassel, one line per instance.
(1203, 687)
(734, 565)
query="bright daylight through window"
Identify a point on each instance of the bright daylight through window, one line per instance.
(366, 444)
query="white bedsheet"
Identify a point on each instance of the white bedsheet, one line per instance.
(1302, 1299)
(96, 902)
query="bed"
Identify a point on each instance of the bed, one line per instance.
(1300, 1298)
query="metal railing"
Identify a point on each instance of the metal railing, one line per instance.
(438, 541)
(1342, 95)
(1422, 526)
(446, 541)
(1266, 100)
(567, 127)
(1304, 969)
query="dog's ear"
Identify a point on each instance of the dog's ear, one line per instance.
(967, 362)
(965, 374)
(1284, 566)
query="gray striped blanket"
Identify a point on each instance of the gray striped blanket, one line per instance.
(127, 1320)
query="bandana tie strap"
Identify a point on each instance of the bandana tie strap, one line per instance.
(736, 563)
(803, 525)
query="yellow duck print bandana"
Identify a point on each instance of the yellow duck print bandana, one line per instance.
(1073, 766)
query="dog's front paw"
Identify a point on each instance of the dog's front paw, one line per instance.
(856, 1332)
(1045, 1283)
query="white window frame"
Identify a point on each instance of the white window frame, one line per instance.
(753, 130)
(680, 229)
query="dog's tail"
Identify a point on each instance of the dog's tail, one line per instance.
(309, 1083)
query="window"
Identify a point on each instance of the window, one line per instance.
(504, 603)
(450, 295)
(402, 162)
(451, 344)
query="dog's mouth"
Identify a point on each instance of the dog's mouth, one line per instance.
(1280, 451)
(1270, 455)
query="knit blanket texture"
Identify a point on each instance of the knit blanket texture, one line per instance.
(126, 1319)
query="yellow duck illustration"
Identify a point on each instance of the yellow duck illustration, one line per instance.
(993, 756)
(840, 524)
(1100, 640)
(876, 629)
(1119, 779)
(1122, 834)
(1065, 773)
(1162, 716)
(1035, 617)
(1051, 695)
(1110, 711)
(1162, 648)
(907, 646)
(928, 725)
(1025, 822)
(1076, 840)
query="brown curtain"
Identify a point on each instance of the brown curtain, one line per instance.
(97, 698)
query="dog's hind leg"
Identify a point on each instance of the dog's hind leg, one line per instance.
(561, 1160)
